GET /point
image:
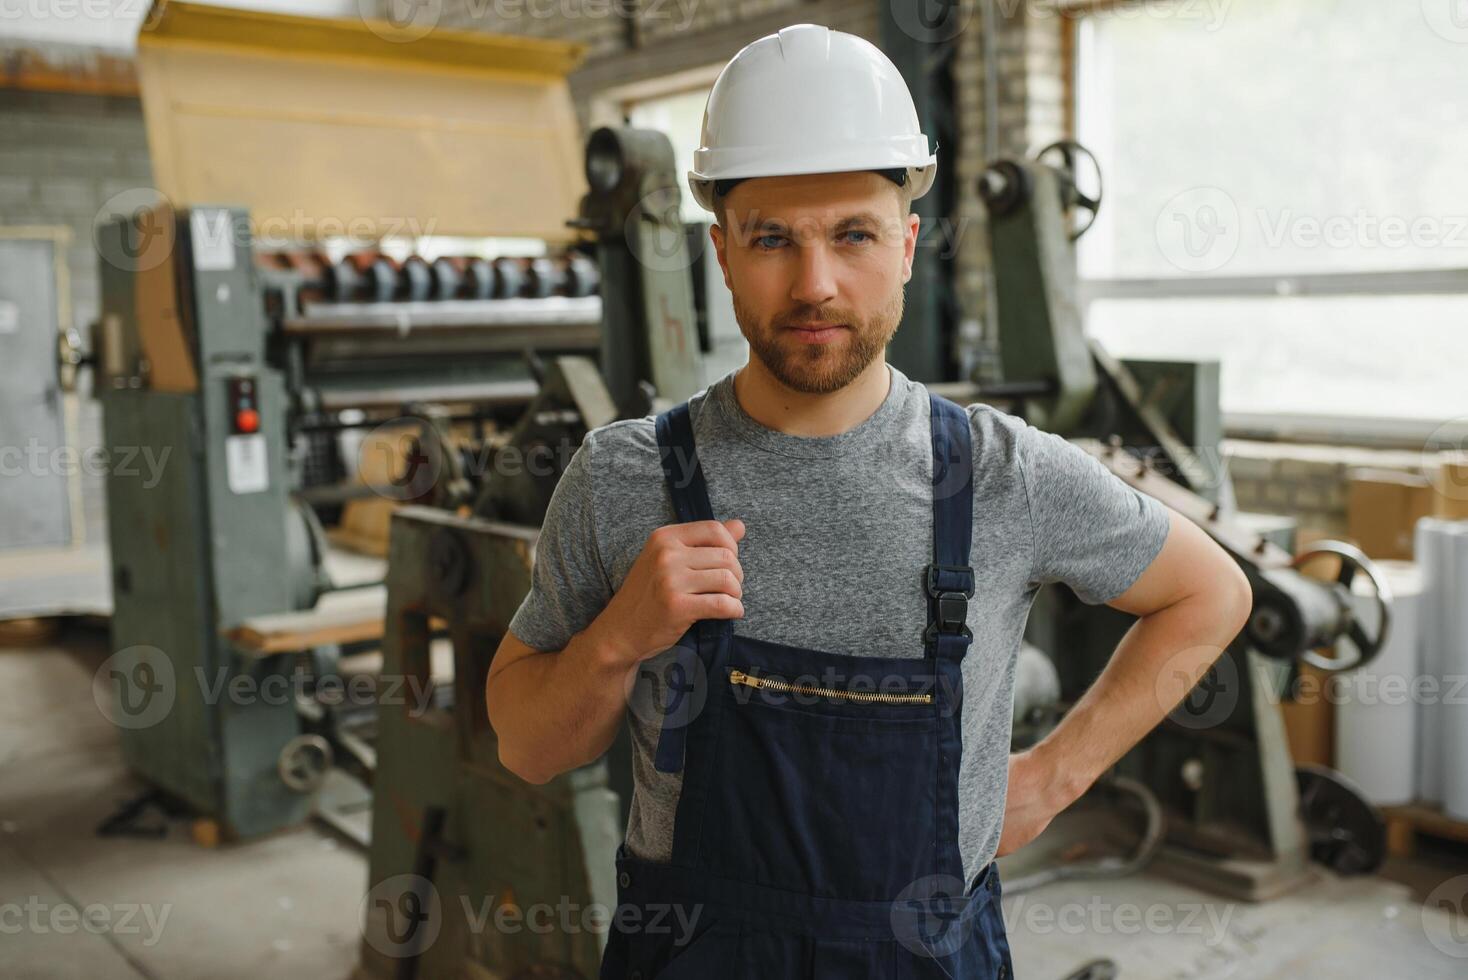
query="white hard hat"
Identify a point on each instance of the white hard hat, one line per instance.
(809, 100)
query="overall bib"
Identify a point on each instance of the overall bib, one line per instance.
(816, 835)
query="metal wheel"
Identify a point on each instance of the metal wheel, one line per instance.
(1367, 646)
(304, 762)
(1082, 207)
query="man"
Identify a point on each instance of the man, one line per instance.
(832, 571)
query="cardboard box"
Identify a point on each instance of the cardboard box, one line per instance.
(1310, 722)
(1450, 490)
(1382, 510)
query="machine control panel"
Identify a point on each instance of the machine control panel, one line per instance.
(244, 406)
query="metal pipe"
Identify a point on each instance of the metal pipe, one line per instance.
(1110, 867)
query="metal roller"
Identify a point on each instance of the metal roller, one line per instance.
(448, 278)
(583, 276)
(344, 282)
(479, 279)
(509, 278)
(415, 280)
(546, 278)
(378, 275)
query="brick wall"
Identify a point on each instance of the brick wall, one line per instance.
(1305, 482)
(61, 157)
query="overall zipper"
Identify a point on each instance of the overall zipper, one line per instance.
(749, 680)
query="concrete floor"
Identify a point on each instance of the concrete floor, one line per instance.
(288, 906)
(282, 907)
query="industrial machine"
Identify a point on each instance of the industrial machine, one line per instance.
(1237, 817)
(251, 365)
(452, 828)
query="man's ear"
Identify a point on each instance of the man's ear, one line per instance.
(909, 246)
(716, 235)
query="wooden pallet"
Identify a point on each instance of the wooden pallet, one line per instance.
(1405, 823)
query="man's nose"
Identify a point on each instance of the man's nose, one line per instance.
(815, 280)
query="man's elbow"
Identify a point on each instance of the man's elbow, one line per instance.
(512, 755)
(523, 765)
(1235, 598)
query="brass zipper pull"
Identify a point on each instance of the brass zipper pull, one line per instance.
(742, 679)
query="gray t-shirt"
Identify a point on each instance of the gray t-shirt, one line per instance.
(838, 532)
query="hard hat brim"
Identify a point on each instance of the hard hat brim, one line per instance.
(920, 178)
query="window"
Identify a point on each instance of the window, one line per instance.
(1284, 192)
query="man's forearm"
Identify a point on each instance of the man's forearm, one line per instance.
(1157, 663)
(559, 710)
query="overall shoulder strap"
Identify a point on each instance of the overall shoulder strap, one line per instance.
(689, 494)
(680, 465)
(949, 579)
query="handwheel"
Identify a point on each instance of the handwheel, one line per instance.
(1076, 201)
(1353, 560)
(303, 762)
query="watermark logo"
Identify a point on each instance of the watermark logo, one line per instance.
(654, 233)
(929, 917)
(1446, 450)
(124, 919)
(1199, 229)
(401, 459)
(147, 240)
(122, 462)
(1445, 917)
(400, 21)
(1199, 704)
(402, 916)
(1211, 922)
(138, 687)
(931, 21)
(670, 689)
(1448, 19)
(135, 688)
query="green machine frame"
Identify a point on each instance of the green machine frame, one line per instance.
(209, 545)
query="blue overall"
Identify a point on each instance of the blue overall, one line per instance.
(816, 834)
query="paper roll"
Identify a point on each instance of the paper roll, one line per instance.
(1433, 547)
(1376, 711)
(1453, 713)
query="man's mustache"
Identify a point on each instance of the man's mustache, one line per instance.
(831, 316)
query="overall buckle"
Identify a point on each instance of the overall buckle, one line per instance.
(949, 588)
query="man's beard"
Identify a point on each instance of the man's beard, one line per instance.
(818, 369)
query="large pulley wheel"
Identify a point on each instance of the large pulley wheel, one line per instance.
(1082, 206)
(1367, 645)
(1347, 833)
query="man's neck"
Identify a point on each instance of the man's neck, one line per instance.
(774, 405)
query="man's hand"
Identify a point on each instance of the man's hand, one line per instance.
(555, 710)
(1191, 603)
(1036, 795)
(685, 572)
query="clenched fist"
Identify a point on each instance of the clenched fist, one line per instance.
(686, 572)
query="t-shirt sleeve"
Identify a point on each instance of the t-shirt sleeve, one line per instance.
(568, 585)
(1091, 530)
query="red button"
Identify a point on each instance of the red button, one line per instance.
(247, 420)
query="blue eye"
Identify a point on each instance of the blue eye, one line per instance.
(764, 238)
(867, 234)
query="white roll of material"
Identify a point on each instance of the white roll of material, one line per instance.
(1453, 714)
(1433, 547)
(1376, 715)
